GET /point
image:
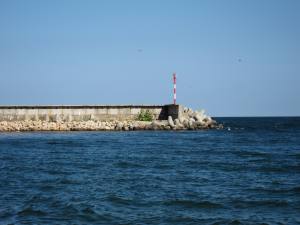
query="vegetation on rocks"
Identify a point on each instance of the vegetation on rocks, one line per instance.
(145, 115)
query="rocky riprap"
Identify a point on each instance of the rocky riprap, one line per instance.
(190, 120)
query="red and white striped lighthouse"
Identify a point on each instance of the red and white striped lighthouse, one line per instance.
(174, 83)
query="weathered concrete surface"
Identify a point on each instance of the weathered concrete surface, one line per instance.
(67, 113)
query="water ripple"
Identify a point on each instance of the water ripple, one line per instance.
(249, 175)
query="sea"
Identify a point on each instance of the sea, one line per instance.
(246, 173)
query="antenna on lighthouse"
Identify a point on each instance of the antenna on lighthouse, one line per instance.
(174, 92)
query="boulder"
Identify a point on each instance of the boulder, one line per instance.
(191, 125)
(154, 125)
(176, 121)
(179, 126)
(198, 117)
(170, 121)
(131, 127)
(181, 119)
(119, 126)
(192, 120)
(185, 123)
(167, 127)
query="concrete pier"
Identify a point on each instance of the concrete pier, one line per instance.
(67, 113)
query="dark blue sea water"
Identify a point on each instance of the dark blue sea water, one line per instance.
(248, 173)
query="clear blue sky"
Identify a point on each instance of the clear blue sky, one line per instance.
(233, 58)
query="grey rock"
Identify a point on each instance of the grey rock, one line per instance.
(154, 125)
(185, 123)
(181, 119)
(192, 120)
(191, 125)
(179, 126)
(119, 126)
(167, 128)
(170, 121)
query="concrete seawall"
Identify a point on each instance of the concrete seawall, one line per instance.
(86, 112)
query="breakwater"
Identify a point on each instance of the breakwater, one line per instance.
(67, 113)
(100, 117)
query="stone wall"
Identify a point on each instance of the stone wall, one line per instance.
(85, 113)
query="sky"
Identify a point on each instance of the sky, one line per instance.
(232, 58)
